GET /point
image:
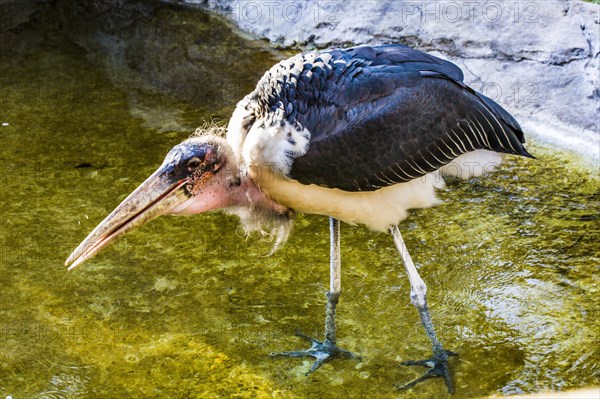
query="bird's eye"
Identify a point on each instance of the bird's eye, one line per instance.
(194, 163)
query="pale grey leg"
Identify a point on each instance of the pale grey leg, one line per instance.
(335, 279)
(327, 349)
(438, 364)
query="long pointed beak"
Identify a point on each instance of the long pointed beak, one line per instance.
(154, 197)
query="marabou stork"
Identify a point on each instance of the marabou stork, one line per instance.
(359, 135)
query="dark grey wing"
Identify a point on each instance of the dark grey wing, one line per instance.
(387, 114)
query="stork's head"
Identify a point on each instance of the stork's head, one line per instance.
(199, 175)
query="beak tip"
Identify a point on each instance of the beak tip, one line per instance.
(70, 258)
(73, 262)
(151, 199)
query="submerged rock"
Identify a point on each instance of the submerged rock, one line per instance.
(167, 49)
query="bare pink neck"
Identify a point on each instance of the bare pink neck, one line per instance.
(248, 194)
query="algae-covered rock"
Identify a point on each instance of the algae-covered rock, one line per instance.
(167, 49)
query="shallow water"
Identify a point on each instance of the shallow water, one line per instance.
(185, 307)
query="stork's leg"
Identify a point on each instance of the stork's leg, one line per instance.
(327, 349)
(438, 364)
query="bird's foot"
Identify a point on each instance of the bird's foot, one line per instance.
(322, 351)
(438, 367)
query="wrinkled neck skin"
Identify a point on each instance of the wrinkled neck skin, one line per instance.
(248, 194)
(230, 190)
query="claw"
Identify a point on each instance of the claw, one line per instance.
(322, 351)
(438, 367)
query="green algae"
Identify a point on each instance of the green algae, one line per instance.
(187, 307)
